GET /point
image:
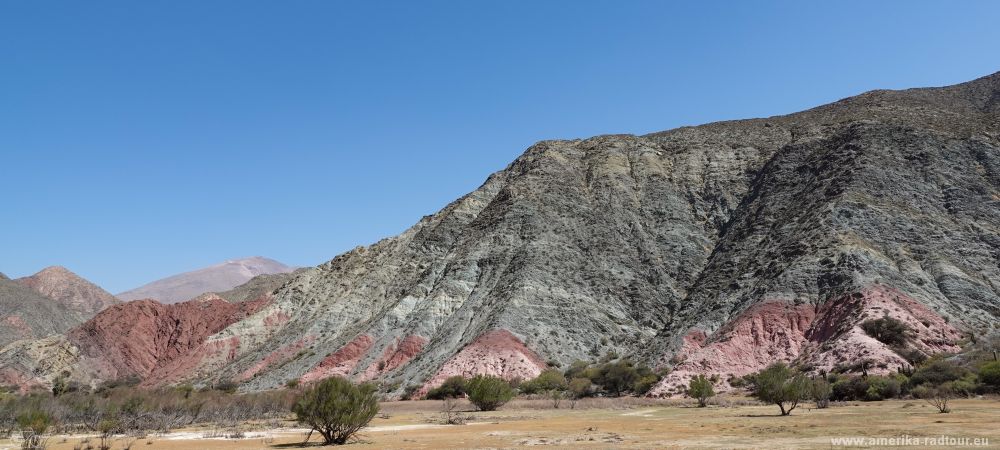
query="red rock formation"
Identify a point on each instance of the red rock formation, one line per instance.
(395, 355)
(496, 352)
(342, 362)
(140, 337)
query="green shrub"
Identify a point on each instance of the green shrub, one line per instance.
(821, 391)
(936, 371)
(887, 330)
(700, 387)
(488, 392)
(36, 421)
(782, 386)
(580, 388)
(546, 382)
(227, 386)
(453, 387)
(336, 408)
(989, 374)
(881, 388)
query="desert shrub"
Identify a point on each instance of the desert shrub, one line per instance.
(227, 386)
(938, 396)
(989, 375)
(781, 385)
(33, 423)
(701, 388)
(579, 388)
(410, 391)
(577, 369)
(550, 382)
(887, 330)
(453, 387)
(547, 381)
(871, 388)
(881, 388)
(336, 408)
(488, 392)
(619, 377)
(849, 388)
(937, 371)
(616, 377)
(821, 391)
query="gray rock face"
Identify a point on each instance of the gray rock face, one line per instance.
(27, 314)
(218, 278)
(627, 243)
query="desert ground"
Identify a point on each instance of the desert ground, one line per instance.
(618, 423)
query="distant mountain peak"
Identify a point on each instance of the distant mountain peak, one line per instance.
(215, 278)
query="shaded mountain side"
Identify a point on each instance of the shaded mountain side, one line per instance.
(218, 278)
(27, 314)
(711, 249)
(70, 289)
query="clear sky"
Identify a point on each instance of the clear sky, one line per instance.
(143, 139)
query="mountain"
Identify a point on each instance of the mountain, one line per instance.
(49, 302)
(711, 249)
(28, 314)
(78, 294)
(217, 278)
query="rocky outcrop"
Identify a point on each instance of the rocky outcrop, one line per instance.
(216, 279)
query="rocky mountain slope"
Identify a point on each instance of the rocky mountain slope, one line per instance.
(70, 289)
(27, 314)
(217, 278)
(710, 249)
(48, 302)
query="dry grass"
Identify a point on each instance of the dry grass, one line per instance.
(633, 423)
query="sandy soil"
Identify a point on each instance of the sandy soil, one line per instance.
(614, 424)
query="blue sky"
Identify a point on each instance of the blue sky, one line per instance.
(142, 139)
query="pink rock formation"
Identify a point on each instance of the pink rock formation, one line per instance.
(822, 338)
(277, 356)
(341, 362)
(395, 355)
(496, 352)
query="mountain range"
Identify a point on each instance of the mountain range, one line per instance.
(216, 278)
(712, 249)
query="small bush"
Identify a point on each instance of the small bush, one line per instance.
(453, 387)
(989, 375)
(937, 371)
(547, 381)
(821, 391)
(488, 392)
(701, 388)
(336, 408)
(938, 396)
(887, 330)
